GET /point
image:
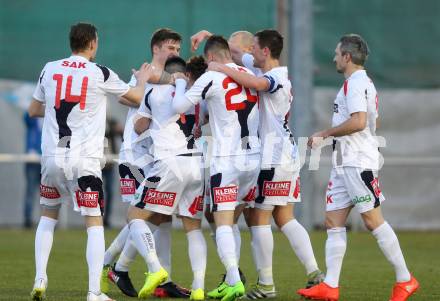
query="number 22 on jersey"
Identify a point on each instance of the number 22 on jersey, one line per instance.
(68, 95)
(236, 91)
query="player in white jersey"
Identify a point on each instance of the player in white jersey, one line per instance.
(170, 187)
(278, 181)
(71, 94)
(135, 157)
(244, 41)
(354, 180)
(233, 118)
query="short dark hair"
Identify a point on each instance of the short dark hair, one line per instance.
(175, 64)
(81, 34)
(216, 43)
(196, 66)
(271, 39)
(163, 34)
(356, 46)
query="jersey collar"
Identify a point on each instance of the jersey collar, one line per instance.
(78, 58)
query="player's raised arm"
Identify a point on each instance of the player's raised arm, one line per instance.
(181, 103)
(243, 78)
(198, 38)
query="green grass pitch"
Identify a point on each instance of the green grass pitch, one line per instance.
(366, 275)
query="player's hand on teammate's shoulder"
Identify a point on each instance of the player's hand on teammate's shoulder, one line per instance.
(198, 38)
(215, 66)
(144, 72)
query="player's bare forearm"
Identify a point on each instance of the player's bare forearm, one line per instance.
(126, 102)
(243, 78)
(36, 109)
(356, 123)
(141, 124)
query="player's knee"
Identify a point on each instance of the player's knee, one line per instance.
(372, 223)
(331, 223)
(372, 219)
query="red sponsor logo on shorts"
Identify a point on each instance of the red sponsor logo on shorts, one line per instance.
(197, 205)
(225, 194)
(276, 188)
(49, 192)
(297, 190)
(87, 199)
(375, 185)
(127, 186)
(156, 197)
(251, 195)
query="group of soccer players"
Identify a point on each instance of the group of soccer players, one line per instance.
(168, 168)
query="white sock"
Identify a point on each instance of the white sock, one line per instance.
(127, 256)
(213, 230)
(300, 241)
(197, 255)
(237, 238)
(262, 246)
(95, 256)
(389, 244)
(116, 246)
(226, 250)
(143, 240)
(162, 238)
(43, 245)
(335, 247)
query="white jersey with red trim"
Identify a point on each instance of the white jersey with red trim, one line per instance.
(171, 133)
(233, 112)
(360, 149)
(75, 92)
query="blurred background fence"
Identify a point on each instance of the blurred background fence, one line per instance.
(403, 35)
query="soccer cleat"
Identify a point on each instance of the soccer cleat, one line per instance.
(218, 292)
(171, 290)
(101, 297)
(105, 279)
(315, 278)
(151, 282)
(261, 291)
(234, 292)
(122, 281)
(321, 292)
(242, 277)
(39, 291)
(197, 295)
(402, 290)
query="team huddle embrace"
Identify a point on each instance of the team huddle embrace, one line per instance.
(169, 166)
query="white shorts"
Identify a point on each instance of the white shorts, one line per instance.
(278, 186)
(353, 186)
(173, 186)
(233, 181)
(78, 182)
(130, 178)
